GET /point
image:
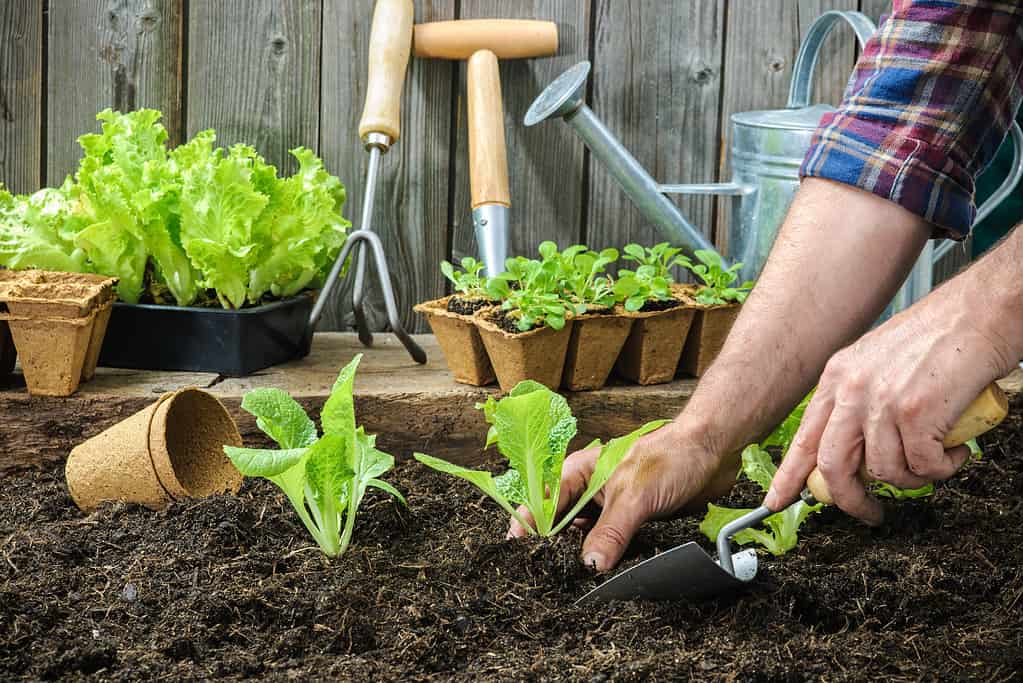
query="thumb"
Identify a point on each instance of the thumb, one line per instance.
(610, 536)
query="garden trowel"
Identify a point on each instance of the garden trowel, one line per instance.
(688, 571)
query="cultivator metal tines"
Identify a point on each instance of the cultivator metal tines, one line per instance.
(390, 42)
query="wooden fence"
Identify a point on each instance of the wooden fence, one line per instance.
(667, 74)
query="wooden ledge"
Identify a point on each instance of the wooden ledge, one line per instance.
(411, 407)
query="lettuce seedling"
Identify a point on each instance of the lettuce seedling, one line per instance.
(529, 290)
(532, 428)
(718, 280)
(324, 478)
(469, 282)
(635, 288)
(583, 278)
(661, 257)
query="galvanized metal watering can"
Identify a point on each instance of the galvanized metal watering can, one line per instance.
(767, 150)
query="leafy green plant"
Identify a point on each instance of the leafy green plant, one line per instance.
(532, 428)
(324, 478)
(781, 529)
(634, 288)
(206, 225)
(660, 257)
(469, 282)
(529, 290)
(718, 281)
(583, 277)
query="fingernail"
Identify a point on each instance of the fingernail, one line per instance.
(594, 561)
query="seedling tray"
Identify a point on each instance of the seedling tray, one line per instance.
(233, 343)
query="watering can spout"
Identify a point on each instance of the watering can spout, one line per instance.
(565, 98)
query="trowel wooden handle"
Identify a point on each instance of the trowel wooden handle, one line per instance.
(390, 41)
(984, 414)
(506, 38)
(488, 156)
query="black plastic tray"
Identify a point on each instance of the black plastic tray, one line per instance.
(235, 343)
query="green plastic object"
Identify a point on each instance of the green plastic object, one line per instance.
(1009, 213)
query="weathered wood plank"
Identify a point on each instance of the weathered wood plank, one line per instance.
(21, 89)
(762, 39)
(656, 84)
(411, 211)
(875, 8)
(124, 54)
(254, 74)
(411, 407)
(545, 162)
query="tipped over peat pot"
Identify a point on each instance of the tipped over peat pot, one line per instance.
(597, 340)
(459, 340)
(654, 346)
(228, 342)
(538, 354)
(710, 328)
(171, 450)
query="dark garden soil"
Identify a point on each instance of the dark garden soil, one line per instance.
(230, 588)
(505, 321)
(660, 305)
(463, 306)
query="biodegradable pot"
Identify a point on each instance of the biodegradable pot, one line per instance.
(99, 330)
(652, 350)
(52, 351)
(39, 293)
(596, 341)
(460, 342)
(538, 354)
(171, 450)
(710, 328)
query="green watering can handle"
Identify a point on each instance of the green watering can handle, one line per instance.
(809, 51)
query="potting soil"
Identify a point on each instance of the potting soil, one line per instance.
(232, 587)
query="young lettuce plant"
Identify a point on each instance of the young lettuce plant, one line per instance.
(529, 291)
(583, 278)
(469, 282)
(324, 478)
(532, 428)
(635, 288)
(661, 257)
(718, 281)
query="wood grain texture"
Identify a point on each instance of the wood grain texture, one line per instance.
(411, 407)
(762, 40)
(875, 8)
(254, 74)
(656, 85)
(545, 162)
(411, 208)
(124, 54)
(21, 89)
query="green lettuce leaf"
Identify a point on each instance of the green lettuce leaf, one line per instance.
(38, 231)
(280, 417)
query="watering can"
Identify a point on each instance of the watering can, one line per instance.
(768, 148)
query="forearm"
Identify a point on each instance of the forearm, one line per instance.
(838, 260)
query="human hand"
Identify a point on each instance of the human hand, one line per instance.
(885, 403)
(663, 472)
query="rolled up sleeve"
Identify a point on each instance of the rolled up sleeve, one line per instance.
(928, 104)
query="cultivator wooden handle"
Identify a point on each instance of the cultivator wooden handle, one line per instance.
(506, 38)
(984, 414)
(390, 42)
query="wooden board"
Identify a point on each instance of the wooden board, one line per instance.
(254, 74)
(545, 163)
(411, 207)
(763, 38)
(124, 54)
(411, 407)
(21, 91)
(656, 84)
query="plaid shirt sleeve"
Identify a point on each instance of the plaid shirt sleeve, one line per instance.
(927, 106)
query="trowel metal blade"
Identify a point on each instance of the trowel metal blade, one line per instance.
(684, 572)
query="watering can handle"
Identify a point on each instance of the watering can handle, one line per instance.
(809, 51)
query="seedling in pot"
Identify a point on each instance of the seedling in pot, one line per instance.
(718, 281)
(470, 286)
(652, 279)
(529, 291)
(324, 478)
(532, 428)
(583, 278)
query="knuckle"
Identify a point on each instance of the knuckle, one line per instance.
(909, 408)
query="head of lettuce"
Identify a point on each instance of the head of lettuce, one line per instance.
(193, 225)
